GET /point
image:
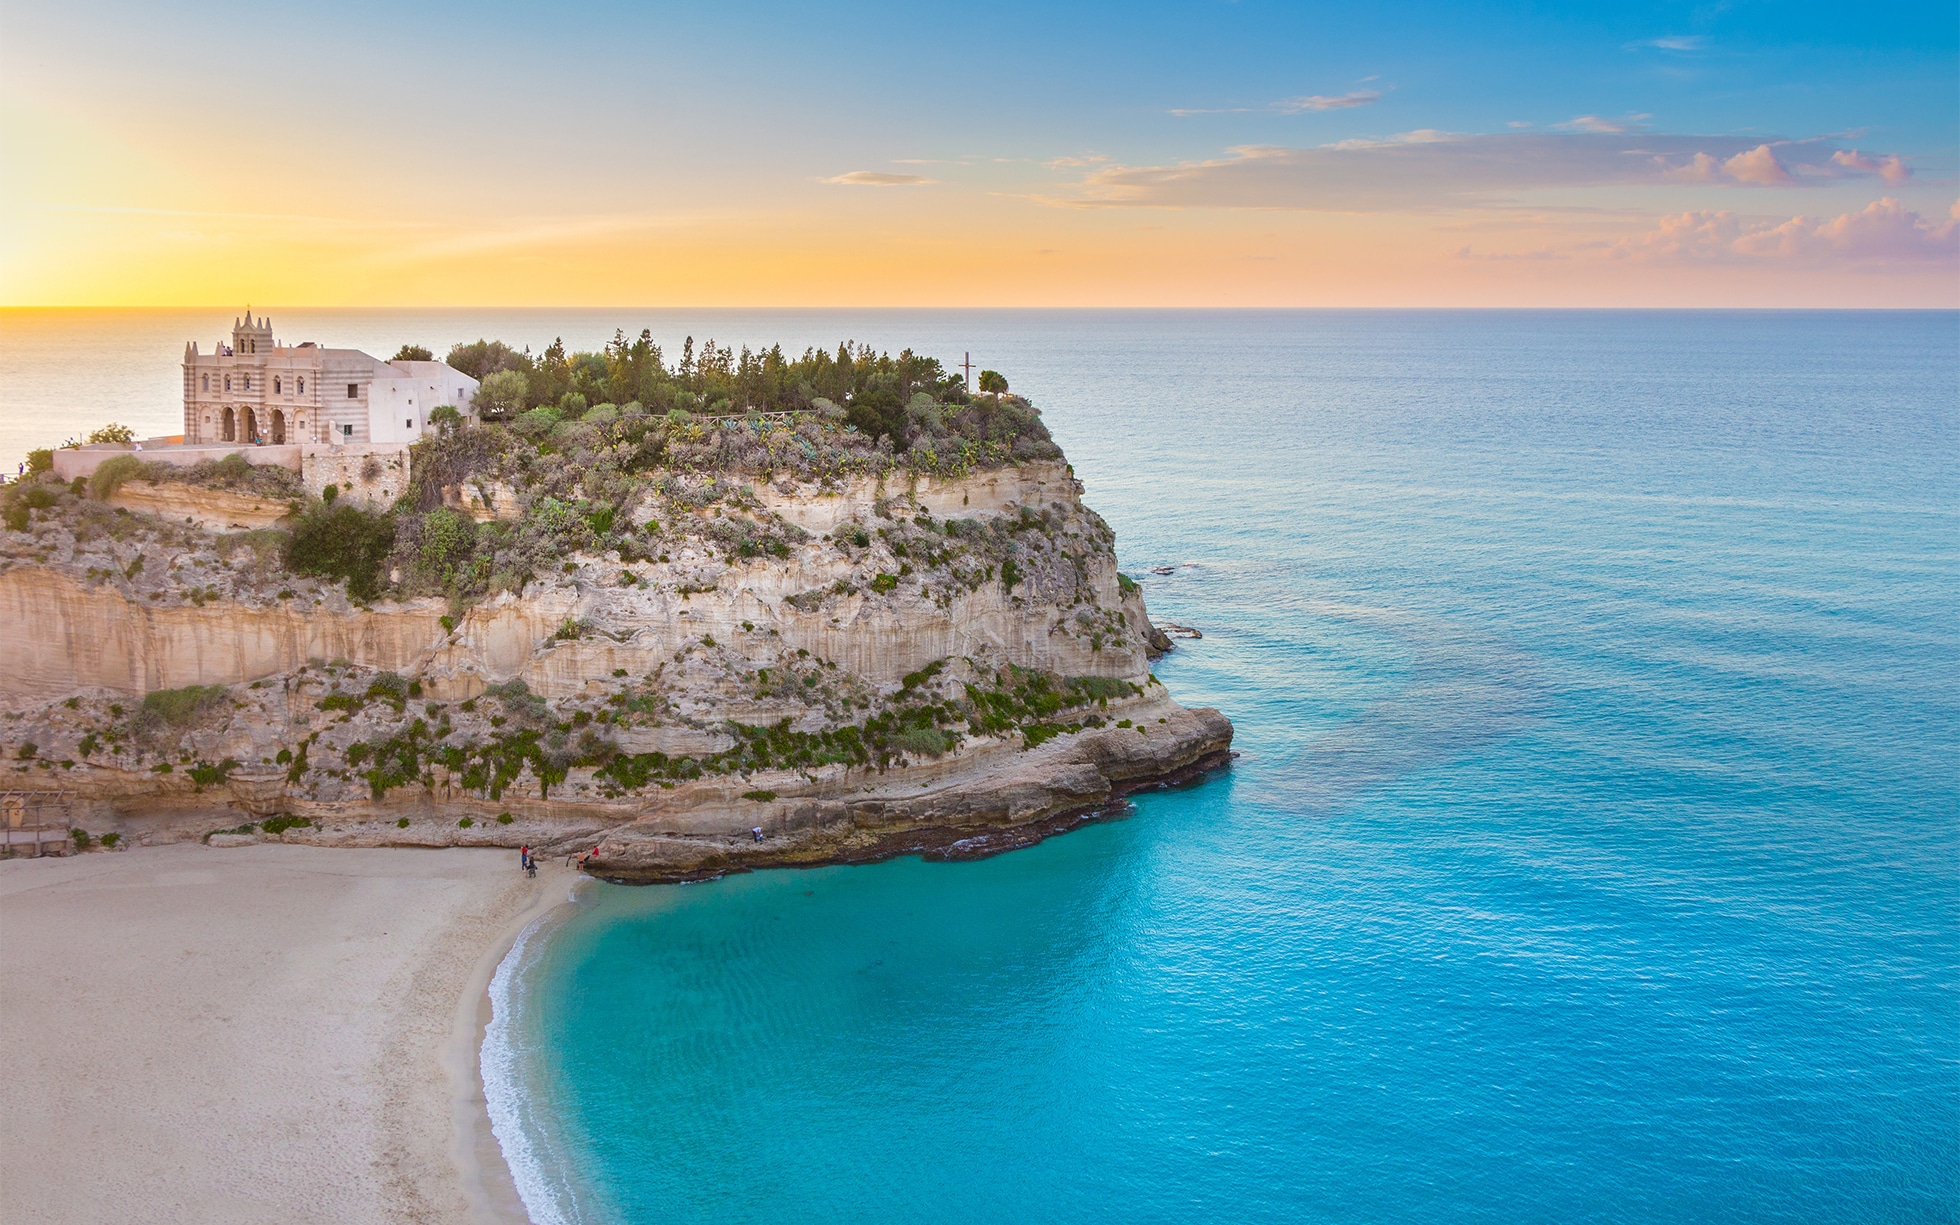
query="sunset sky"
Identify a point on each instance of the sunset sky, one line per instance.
(1196, 153)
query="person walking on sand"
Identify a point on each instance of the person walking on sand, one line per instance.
(524, 857)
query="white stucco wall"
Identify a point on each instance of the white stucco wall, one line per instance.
(399, 407)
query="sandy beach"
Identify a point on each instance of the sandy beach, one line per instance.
(254, 1034)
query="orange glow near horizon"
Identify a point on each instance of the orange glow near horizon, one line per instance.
(1025, 254)
(109, 197)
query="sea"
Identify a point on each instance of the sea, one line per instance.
(1592, 852)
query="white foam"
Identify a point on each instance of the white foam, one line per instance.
(508, 1105)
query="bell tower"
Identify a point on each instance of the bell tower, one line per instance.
(248, 337)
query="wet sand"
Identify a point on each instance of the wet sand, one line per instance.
(254, 1034)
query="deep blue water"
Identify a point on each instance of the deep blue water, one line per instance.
(1592, 856)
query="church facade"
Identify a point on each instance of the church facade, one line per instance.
(258, 391)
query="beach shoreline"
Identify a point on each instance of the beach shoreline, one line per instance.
(265, 1032)
(485, 1176)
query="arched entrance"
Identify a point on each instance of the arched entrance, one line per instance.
(278, 427)
(251, 426)
(231, 427)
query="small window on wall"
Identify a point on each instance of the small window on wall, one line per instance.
(346, 431)
(302, 387)
(353, 391)
(248, 382)
(227, 382)
(275, 387)
(207, 382)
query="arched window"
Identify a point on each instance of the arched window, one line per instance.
(227, 382)
(207, 382)
(275, 386)
(302, 387)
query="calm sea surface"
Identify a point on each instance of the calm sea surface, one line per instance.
(1594, 854)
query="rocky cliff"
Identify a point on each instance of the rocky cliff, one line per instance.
(769, 672)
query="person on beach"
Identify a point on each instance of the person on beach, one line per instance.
(524, 857)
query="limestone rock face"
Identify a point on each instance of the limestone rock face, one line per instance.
(625, 707)
(208, 508)
(65, 635)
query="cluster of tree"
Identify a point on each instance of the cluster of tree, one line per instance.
(872, 388)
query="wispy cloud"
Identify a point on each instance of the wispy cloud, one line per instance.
(1321, 102)
(1884, 232)
(1671, 42)
(1427, 170)
(1594, 123)
(1302, 105)
(878, 178)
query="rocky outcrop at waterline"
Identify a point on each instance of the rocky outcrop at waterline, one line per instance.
(744, 672)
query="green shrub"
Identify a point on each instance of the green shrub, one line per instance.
(81, 838)
(233, 469)
(40, 460)
(113, 432)
(283, 822)
(111, 839)
(1101, 688)
(447, 541)
(760, 797)
(504, 818)
(204, 774)
(885, 582)
(465, 823)
(181, 707)
(502, 394)
(923, 741)
(402, 824)
(1010, 575)
(1126, 584)
(111, 474)
(343, 542)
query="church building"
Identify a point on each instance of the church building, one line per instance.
(256, 390)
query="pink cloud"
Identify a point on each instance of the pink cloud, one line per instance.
(1892, 169)
(1428, 169)
(1701, 168)
(877, 178)
(1594, 123)
(1758, 166)
(1884, 231)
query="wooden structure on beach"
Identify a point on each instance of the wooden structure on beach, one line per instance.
(36, 823)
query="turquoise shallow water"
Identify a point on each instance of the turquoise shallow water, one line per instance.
(1592, 855)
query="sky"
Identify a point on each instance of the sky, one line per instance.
(1194, 153)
